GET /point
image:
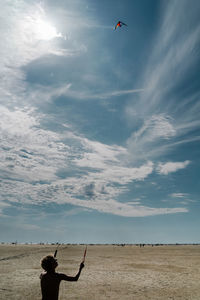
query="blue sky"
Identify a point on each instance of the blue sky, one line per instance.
(100, 129)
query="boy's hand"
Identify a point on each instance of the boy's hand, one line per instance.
(82, 266)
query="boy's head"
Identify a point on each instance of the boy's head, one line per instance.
(49, 263)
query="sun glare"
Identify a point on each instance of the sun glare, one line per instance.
(38, 27)
(45, 31)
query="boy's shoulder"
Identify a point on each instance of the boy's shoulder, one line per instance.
(43, 274)
(46, 274)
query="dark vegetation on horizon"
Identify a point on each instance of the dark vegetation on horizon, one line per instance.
(99, 244)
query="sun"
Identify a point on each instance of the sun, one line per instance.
(44, 30)
(37, 26)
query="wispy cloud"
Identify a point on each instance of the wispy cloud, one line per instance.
(128, 210)
(118, 93)
(151, 139)
(77, 94)
(170, 65)
(23, 29)
(3, 205)
(42, 165)
(20, 24)
(179, 195)
(182, 198)
(26, 148)
(171, 167)
(30, 169)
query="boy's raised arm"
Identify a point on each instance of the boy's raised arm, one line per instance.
(73, 278)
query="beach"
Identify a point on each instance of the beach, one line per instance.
(111, 271)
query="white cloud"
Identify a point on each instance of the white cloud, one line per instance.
(179, 195)
(60, 193)
(169, 167)
(170, 65)
(3, 205)
(20, 43)
(77, 94)
(31, 159)
(117, 93)
(28, 153)
(158, 126)
(148, 141)
(185, 197)
(127, 209)
(20, 30)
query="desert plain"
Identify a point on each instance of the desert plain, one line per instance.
(111, 272)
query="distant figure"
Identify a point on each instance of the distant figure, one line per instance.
(50, 280)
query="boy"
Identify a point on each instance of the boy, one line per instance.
(50, 280)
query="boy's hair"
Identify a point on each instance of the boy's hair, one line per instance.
(47, 262)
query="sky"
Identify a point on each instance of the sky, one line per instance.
(100, 128)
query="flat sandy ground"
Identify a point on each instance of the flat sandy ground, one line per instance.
(111, 272)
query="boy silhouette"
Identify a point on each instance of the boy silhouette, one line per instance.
(50, 279)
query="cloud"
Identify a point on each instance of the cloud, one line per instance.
(32, 158)
(170, 167)
(19, 23)
(77, 94)
(66, 52)
(179, 195)
(42, 165)
(20, 30)
(117, 93)
(29, 153)
(127, 209)
(3, 205)
(151, 139)
(28, 227)
(169, 71)
(182, 198)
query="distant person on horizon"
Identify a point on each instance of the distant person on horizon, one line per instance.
(50, 279)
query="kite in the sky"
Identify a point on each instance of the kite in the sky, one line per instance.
(120, 24)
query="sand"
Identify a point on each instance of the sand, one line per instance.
(111, 272)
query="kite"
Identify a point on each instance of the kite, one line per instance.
(120, 24)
